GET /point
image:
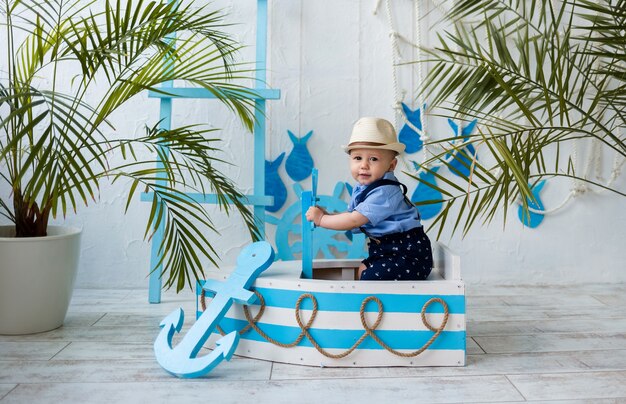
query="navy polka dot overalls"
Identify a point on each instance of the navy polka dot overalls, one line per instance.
(398, 256)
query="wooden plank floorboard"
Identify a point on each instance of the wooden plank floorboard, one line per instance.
(118, 371)
(42, 350)
(526, 327)
(5, 389)
(424, 390)
(563, 386)
(551, 342)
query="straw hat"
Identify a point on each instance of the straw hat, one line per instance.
(373, 133)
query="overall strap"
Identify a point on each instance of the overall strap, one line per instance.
(379, 183)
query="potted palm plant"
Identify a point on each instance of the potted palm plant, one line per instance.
(538, 76)
(57, 145)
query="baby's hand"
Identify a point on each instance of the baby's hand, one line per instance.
(315, 214)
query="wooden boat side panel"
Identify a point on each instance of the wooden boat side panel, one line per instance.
(336, 305)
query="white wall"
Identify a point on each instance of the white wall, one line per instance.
(331, 59)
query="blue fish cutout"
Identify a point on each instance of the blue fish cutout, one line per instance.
(274, 185)
(285, 226)
(299, 163)
(349, 188)
(425, 193)
(532, 219)
(462, 161)
(408, 136)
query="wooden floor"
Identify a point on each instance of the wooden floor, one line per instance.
(526, 343)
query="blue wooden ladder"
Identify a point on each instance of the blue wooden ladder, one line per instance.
(260, 93)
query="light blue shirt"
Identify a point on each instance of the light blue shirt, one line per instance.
(386, 209)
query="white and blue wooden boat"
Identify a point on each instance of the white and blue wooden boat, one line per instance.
(314, 313)
(337, 325)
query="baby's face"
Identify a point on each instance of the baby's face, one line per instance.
(369, 165)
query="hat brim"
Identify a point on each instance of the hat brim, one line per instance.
(397, 147)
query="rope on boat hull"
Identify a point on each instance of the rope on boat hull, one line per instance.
(368, 330)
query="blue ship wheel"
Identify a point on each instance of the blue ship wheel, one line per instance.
(324, 240)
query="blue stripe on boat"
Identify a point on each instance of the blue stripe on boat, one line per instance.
(344, 339)
(352, 301)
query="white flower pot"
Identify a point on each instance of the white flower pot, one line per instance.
(36, 279)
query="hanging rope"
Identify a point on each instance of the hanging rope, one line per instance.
(399, 95)
(424, 137)
(368, 330)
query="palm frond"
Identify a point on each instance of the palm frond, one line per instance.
(534, 77)
(56, 152)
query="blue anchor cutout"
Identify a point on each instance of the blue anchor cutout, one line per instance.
(532, 219)
(182, 360)
(299, 164)
(423, 192)
(274, 185)
(408, 136)
(462, 161)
